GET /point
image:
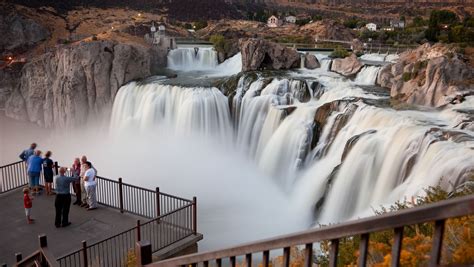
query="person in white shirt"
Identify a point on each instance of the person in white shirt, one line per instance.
(90, 185)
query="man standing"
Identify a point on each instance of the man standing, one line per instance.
(35, 164)
(90, 186)
(63, 198)
(28, 152)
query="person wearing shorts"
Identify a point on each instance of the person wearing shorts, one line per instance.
(35, 163)
(28, 205)
(48, 165)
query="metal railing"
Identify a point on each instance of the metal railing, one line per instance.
(436, 212)
(13, 176)
(172, 218)
(116, 250)
(114, 194)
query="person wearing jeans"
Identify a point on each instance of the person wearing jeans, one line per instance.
(35, 165)
(90, 186)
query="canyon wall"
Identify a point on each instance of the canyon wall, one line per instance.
(74, 83)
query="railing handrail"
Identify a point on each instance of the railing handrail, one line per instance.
(442, 210)
(11, 164)
(127, 231)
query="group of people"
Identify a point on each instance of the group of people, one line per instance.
(82, 177)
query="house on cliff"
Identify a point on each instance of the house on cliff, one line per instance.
(371, 27)
(274, 22)
(290, 19)
(397, 24)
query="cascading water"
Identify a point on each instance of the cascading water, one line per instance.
(192, 58)
(186, 110)
(367, 76)
(334, 150)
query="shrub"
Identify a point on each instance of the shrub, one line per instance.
(219, 42)
(406, 76)
(339, 52)
(458, 243)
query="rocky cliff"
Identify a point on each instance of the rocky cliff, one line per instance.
(17, 31)
(66, 87)
(431, 75)
(261, 54)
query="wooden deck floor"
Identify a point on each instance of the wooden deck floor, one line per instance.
(18, 236)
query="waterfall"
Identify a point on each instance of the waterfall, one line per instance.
(367, 76)
(374, 57)
(192, 58)
(326, 64)
(183, 110)
(229, 67)
(398, 157)
(324, 141)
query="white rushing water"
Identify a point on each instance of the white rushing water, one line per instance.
(394, 154)
(367, 76)
(281, 145)
(192, 58)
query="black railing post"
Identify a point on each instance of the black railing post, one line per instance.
(195, 215)
(158, 211)
(139, 235)
(18, 257)
(43, 241)
(84, 253)
(437, 243)
(120, 194)
(143, 252)
(56, 167)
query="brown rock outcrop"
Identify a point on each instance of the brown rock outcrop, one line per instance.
(262, 54)
(348, 66)
(311, 62)
(431, 75)
(17, 31)
(66, 87)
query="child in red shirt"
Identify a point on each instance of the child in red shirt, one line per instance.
(28, 205)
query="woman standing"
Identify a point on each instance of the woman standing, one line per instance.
(75, 172)
(48, 172)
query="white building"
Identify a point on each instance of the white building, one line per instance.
(290, 19)
(371, 27)
(397, 24)
(273, 22)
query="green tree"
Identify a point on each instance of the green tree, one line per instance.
(221, 44)
(437, 19)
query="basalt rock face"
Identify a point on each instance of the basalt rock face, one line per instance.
(348, 66)
(66, 87)
(260, 54)
(8, 82)
(311, 62)
(18, 32)
(431, 75)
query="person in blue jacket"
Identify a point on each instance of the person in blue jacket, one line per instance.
(35, 164)
(28, 152)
